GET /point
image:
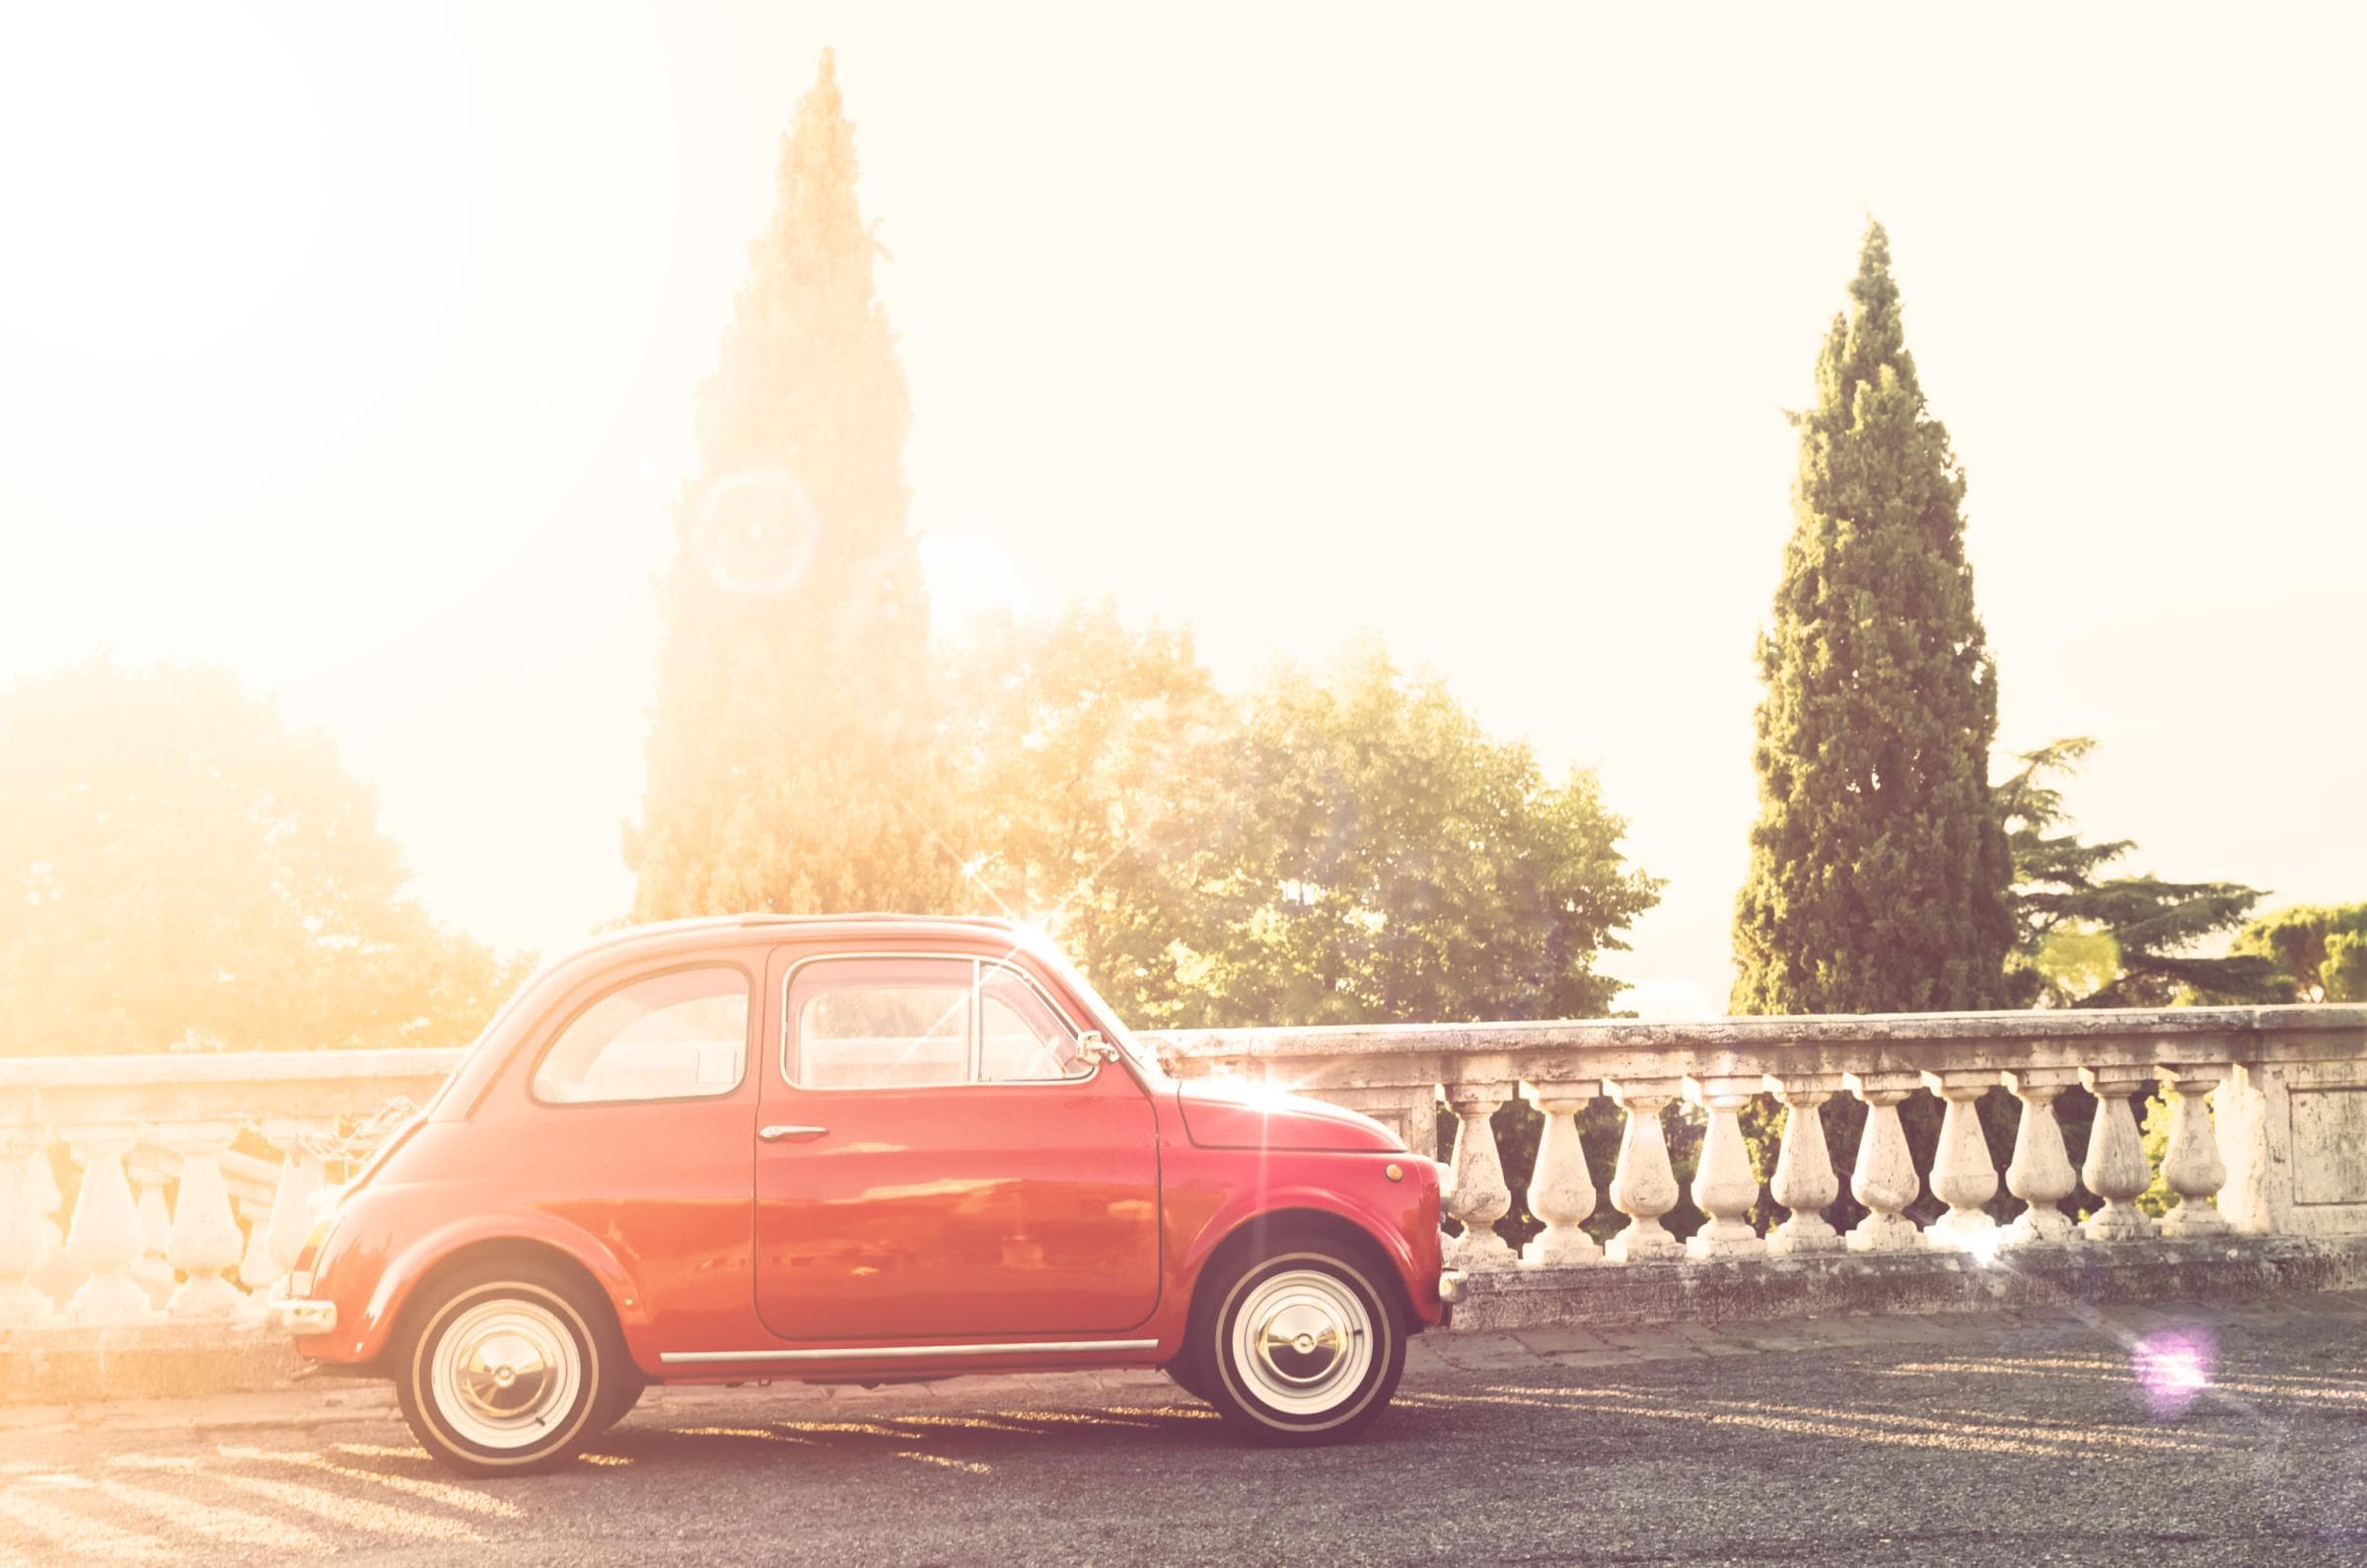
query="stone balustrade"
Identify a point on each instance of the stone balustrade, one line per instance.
(168, 1219)
(181, 1186)
(2267, 1128)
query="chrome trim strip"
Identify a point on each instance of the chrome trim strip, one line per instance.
(1062, 1347)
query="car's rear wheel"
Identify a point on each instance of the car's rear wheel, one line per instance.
(1301, 1344)
(509, 1368)
(624, 1391)
(1187, 1373)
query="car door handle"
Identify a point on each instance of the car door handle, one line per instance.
(784, 1131)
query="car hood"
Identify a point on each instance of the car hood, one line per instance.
(1233, 1116)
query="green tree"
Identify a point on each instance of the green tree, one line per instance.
(1342, 848)
(1878, 876)
(1091, 760)
(2319, 952)
(2087, 940)
(1379, 859)
(181, 866)
(792, 757)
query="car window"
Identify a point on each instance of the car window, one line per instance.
(879, 1023)
(916, 1023)
(1020, 1036)
(671, 1037)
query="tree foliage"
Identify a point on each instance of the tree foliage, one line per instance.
(2319, 952)
(1878, 871)
(1346, 847)
(1091, 760)
(181, 866)
(1384, 860)
(2087, 940)
(792, 757)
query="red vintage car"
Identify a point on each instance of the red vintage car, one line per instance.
(856, 1149)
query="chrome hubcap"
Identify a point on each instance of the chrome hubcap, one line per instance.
(504, 1372)
(1303, 1341)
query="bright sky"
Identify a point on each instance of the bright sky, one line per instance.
(356, 349)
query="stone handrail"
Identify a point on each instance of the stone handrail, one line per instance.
(170, 1119)
(2267, 1130)
(2267, 1136)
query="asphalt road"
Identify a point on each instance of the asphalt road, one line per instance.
(2232, 1437)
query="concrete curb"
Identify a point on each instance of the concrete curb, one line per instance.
(69, 1365)
(1776, 1290)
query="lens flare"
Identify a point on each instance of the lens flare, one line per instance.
(1269, 1096)
(755, 533)
(1982, 1245)
(2174, 1368)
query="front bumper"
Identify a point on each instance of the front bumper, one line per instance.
(1451, 1287)
(302, 1318)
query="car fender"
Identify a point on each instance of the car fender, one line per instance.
(403, 1271)
(1386, 1225)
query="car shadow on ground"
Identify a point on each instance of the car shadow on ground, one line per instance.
(977, 1441)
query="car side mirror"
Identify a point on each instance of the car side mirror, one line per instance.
(1092, 1048)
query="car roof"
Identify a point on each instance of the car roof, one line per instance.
(666, 933)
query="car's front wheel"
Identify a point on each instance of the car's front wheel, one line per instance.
(509, 1368)
(1301, 1344)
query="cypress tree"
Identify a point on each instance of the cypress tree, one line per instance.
(791, 759)
(1879, 876)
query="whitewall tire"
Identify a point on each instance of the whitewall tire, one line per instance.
(1299, 1344)
(510, 1367)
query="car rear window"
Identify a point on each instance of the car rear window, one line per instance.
(677, 1036)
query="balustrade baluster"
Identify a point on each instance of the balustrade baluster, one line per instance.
(1885, 1179)
(46, 1197)
(24, 1229)
(255, 1272)
(1561, 1190)
(2240, 1113)
(1481, 1197)
(2191, 1166)
(1803, 1184)
(103, 1235)
(153, 1272)
(1724, 1185)
(1963, 1176)
(2040, 1172)
(2114, 1168)
(1643, 1187)
(278, 1241)
(205, 1239)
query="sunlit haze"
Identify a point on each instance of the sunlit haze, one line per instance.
(356, 349)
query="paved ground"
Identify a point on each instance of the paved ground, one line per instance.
(2222, 1436)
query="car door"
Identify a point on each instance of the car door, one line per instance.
(632, 1126)
(940, 1159)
